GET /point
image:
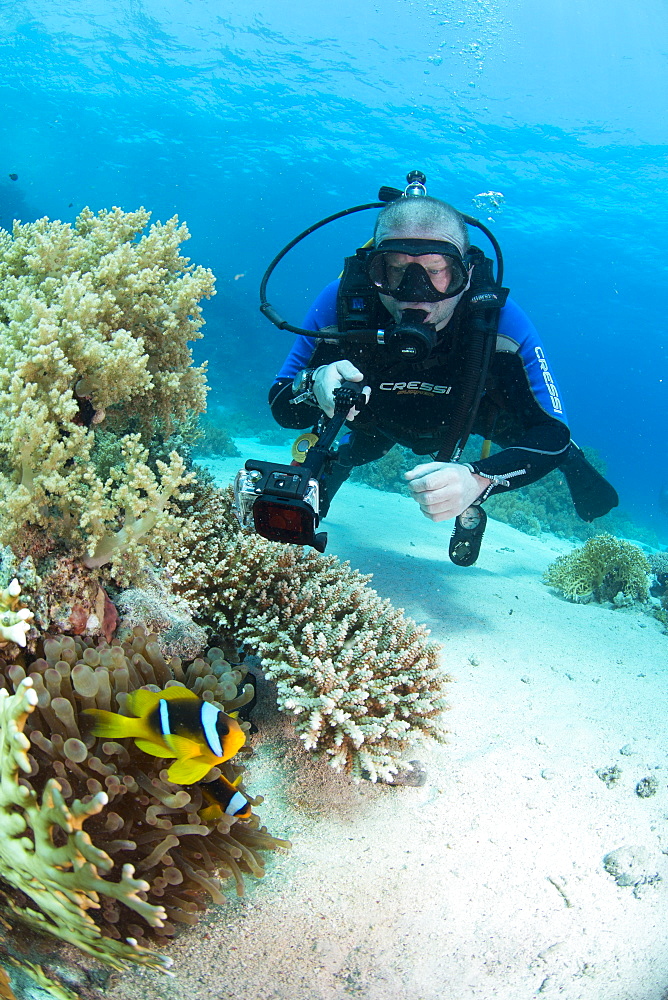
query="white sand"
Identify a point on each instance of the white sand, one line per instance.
(488, 881)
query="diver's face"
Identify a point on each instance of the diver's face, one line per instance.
(440, 274)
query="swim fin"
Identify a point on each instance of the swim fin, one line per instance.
(592, 494)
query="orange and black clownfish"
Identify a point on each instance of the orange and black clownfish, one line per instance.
(224, 799)
(174, 723)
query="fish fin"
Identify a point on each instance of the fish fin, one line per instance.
(154, 749)
(184, 748)
(176, 693)
(233, 715)
(189, 771)
(141, 702)
(211, 812)
(111, 724)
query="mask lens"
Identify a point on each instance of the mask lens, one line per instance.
(399, 274)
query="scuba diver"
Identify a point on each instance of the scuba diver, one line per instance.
(419, 322)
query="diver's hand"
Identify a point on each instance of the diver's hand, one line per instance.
(444, 489)
(328, 378)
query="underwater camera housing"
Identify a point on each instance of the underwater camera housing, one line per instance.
(282, 502)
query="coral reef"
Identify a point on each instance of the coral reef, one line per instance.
(610, 775)
(163, 613)
(658, 562)
(358, 677)
(146, 860)
(94, 324)
(632, 865)
(388, 472)
(605, 568)
(215, 441)
(647, 787)
(64, 596)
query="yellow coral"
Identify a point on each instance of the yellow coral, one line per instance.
(95, 321)
(605, 568)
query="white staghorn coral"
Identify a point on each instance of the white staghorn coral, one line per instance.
(357, 676)
(360, 681)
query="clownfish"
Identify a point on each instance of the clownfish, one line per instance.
(225, 800)
(174, 723)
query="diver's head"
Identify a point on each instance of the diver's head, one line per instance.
(418, 261)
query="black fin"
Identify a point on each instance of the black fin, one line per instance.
(592, 494)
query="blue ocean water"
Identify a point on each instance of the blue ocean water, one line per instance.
(253, 119)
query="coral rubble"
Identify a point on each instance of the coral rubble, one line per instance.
(604, 569)
(146, 860)
(357, 676)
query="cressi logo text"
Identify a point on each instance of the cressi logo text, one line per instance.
(551, 387)
(421, 387)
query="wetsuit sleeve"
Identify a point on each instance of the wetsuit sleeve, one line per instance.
(536, 436)
(306, 352)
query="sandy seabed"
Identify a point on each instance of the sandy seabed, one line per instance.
(488, 881)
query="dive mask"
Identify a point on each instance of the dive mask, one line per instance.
(415, 270)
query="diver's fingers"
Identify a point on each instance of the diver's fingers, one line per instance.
(446, 515)
(353, 411)
(428, 476)
(348, 372)
(445, 505)
(327, 378)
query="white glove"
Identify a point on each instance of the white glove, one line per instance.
(327, 378)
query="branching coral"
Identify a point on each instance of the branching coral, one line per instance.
(387, 473)
(658, 563)
(605, 568)
(94, 324)
(145, 859)
(358, 677)
(215, 440)
(45, 853)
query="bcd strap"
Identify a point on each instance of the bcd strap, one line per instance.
(357, 303)
(484, 302)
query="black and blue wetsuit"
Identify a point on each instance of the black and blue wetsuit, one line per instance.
(413, 404)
